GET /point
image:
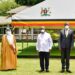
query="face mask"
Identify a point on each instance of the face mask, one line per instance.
(8, 32)
(42, 31)
(66, 27)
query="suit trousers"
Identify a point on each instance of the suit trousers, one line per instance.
(44, 60)
(65, 56)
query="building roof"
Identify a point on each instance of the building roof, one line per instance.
(18, 9)
(52, 13)
(5, 20)
(57, 9)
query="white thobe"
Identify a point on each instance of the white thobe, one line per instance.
(44, 42)
(11, 40)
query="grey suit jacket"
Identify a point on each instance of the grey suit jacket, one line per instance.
(66, 42)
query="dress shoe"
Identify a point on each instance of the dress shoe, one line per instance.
(47, 70)
(68, 71)
(62, 71)
(41, 70)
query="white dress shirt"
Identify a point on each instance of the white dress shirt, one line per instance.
(66, 32)
(44, 42)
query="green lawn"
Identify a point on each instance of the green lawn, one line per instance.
(31, 67)
(31, 49)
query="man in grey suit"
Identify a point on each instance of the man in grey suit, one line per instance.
(66, 43)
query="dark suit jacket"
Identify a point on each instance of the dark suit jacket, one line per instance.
(66, 42)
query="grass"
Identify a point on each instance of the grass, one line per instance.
(31, 67)
(31, 50)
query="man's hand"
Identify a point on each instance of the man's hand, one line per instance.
(14, 49)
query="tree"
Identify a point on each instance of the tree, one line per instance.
(28, 2)
(6, 5)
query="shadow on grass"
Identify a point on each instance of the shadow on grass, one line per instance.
(8, 70)
(38, 71)
(31, 50)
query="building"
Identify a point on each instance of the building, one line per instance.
(50, 13)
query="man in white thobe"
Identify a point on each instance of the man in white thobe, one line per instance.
(43, 46)
(8, 51)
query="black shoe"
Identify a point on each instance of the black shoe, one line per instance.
(41, 70)
(47, 70)
(62, 71)
(68, 71)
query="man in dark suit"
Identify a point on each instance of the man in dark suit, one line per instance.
(66, 43)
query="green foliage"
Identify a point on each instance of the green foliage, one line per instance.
(50, 31)
(28, 2)
(6, 5)
(54, 34)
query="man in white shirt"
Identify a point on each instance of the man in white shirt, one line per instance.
(43, 46)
